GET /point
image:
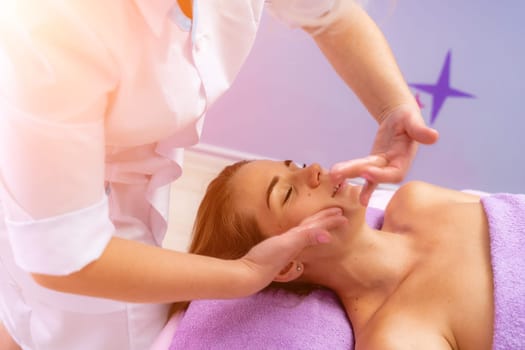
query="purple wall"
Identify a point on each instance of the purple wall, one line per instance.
(288, 103)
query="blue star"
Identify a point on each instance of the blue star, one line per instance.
(441, 90)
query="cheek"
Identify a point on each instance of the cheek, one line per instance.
(299, 210)
(302, 211)
(271, 225)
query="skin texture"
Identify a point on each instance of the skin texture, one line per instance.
(423, 281)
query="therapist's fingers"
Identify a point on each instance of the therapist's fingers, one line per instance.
(280, 248)
(421, 133)
(269, 257)
(316, 220)
(408, 118)
(366, 192)
(389, 174)
(311, 231)
(355, 167)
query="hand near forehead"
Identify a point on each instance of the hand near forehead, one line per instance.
(393, 151)
(268, 258)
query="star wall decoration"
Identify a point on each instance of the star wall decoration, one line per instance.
(441, 90)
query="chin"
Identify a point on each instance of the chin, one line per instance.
(349, 195)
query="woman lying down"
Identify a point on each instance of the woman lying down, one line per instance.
(445, 270)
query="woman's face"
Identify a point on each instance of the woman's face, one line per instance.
(281, 194)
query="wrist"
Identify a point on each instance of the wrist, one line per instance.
(249, 279)
(404, 107)
(236, 279)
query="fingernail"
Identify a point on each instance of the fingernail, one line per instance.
(322, 238)
(335, 211)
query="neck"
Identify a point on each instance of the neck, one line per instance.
(365, 271)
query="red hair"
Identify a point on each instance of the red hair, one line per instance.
(221, 231)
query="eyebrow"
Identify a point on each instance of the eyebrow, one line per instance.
(274, 181)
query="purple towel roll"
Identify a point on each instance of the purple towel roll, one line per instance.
(270, 320)
(506, 218)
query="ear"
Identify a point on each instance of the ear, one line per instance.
(293, 270)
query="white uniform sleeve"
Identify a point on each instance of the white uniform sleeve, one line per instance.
(56, 77)
(304, 13)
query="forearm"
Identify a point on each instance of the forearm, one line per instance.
(6, 341)
(360, 54)
(135, 272)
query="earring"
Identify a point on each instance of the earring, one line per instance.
(299, 268)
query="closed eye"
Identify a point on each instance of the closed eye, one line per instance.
(288, 194)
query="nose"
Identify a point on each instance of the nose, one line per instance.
(313, 175)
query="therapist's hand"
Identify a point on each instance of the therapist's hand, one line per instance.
(393, 151)
(265, 260)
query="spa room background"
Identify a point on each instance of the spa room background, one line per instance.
(464, 61)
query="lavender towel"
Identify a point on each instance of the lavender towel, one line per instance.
(506, 218)
(270, 320)
(374, 217)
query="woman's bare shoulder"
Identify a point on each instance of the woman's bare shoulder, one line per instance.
(416, 198)
(422, 194)
(400, 332)
(395, 340)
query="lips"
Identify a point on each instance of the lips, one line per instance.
(337, 188)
